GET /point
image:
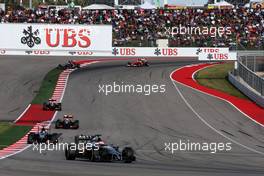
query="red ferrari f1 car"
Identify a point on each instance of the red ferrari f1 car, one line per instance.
(67, 123)
(138, 63)
(69, 65)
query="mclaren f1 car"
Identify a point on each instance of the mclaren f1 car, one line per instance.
(99, 150)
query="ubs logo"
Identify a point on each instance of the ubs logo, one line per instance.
(30, 37)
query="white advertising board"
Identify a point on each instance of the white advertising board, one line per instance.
(214, 54)
(51, 37)
(203, 54)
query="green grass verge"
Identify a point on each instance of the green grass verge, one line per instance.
(47, 86)
(216, 77)
(10, 133)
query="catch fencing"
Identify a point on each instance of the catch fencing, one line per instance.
(247, 67)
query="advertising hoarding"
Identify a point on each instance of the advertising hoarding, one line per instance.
(53, 37)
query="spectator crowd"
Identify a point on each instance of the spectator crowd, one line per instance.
(143, 27)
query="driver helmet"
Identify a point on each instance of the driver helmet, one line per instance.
(101, 142)
(43, 129)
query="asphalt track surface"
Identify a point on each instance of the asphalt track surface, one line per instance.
(20, 78)
(146, 123)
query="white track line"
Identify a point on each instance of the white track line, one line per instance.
(18, 150)
(220, 97)
(203, 120)
(21, 115)
(6, 156)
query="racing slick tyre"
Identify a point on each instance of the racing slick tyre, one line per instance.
(53, 138)
(70, 154)
(128, 155)
(59, 107)
(104, 155)
(57, 124)
(76, 139)
(44, 108)
(31, 138)
(76, 124)
(95, 156)
(77, 66)
(129, 64)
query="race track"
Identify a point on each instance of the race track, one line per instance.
(146, 123)
(20, 78)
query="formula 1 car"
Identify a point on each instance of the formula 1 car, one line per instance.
(67, 123)
(43, 136)
(138, 63)
(69, 65)
(99, 152)
(87, 138)
(51, 105)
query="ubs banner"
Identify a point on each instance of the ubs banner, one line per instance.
(209, 54)
(56, 37)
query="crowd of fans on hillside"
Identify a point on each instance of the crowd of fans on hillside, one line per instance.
(144, 27)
